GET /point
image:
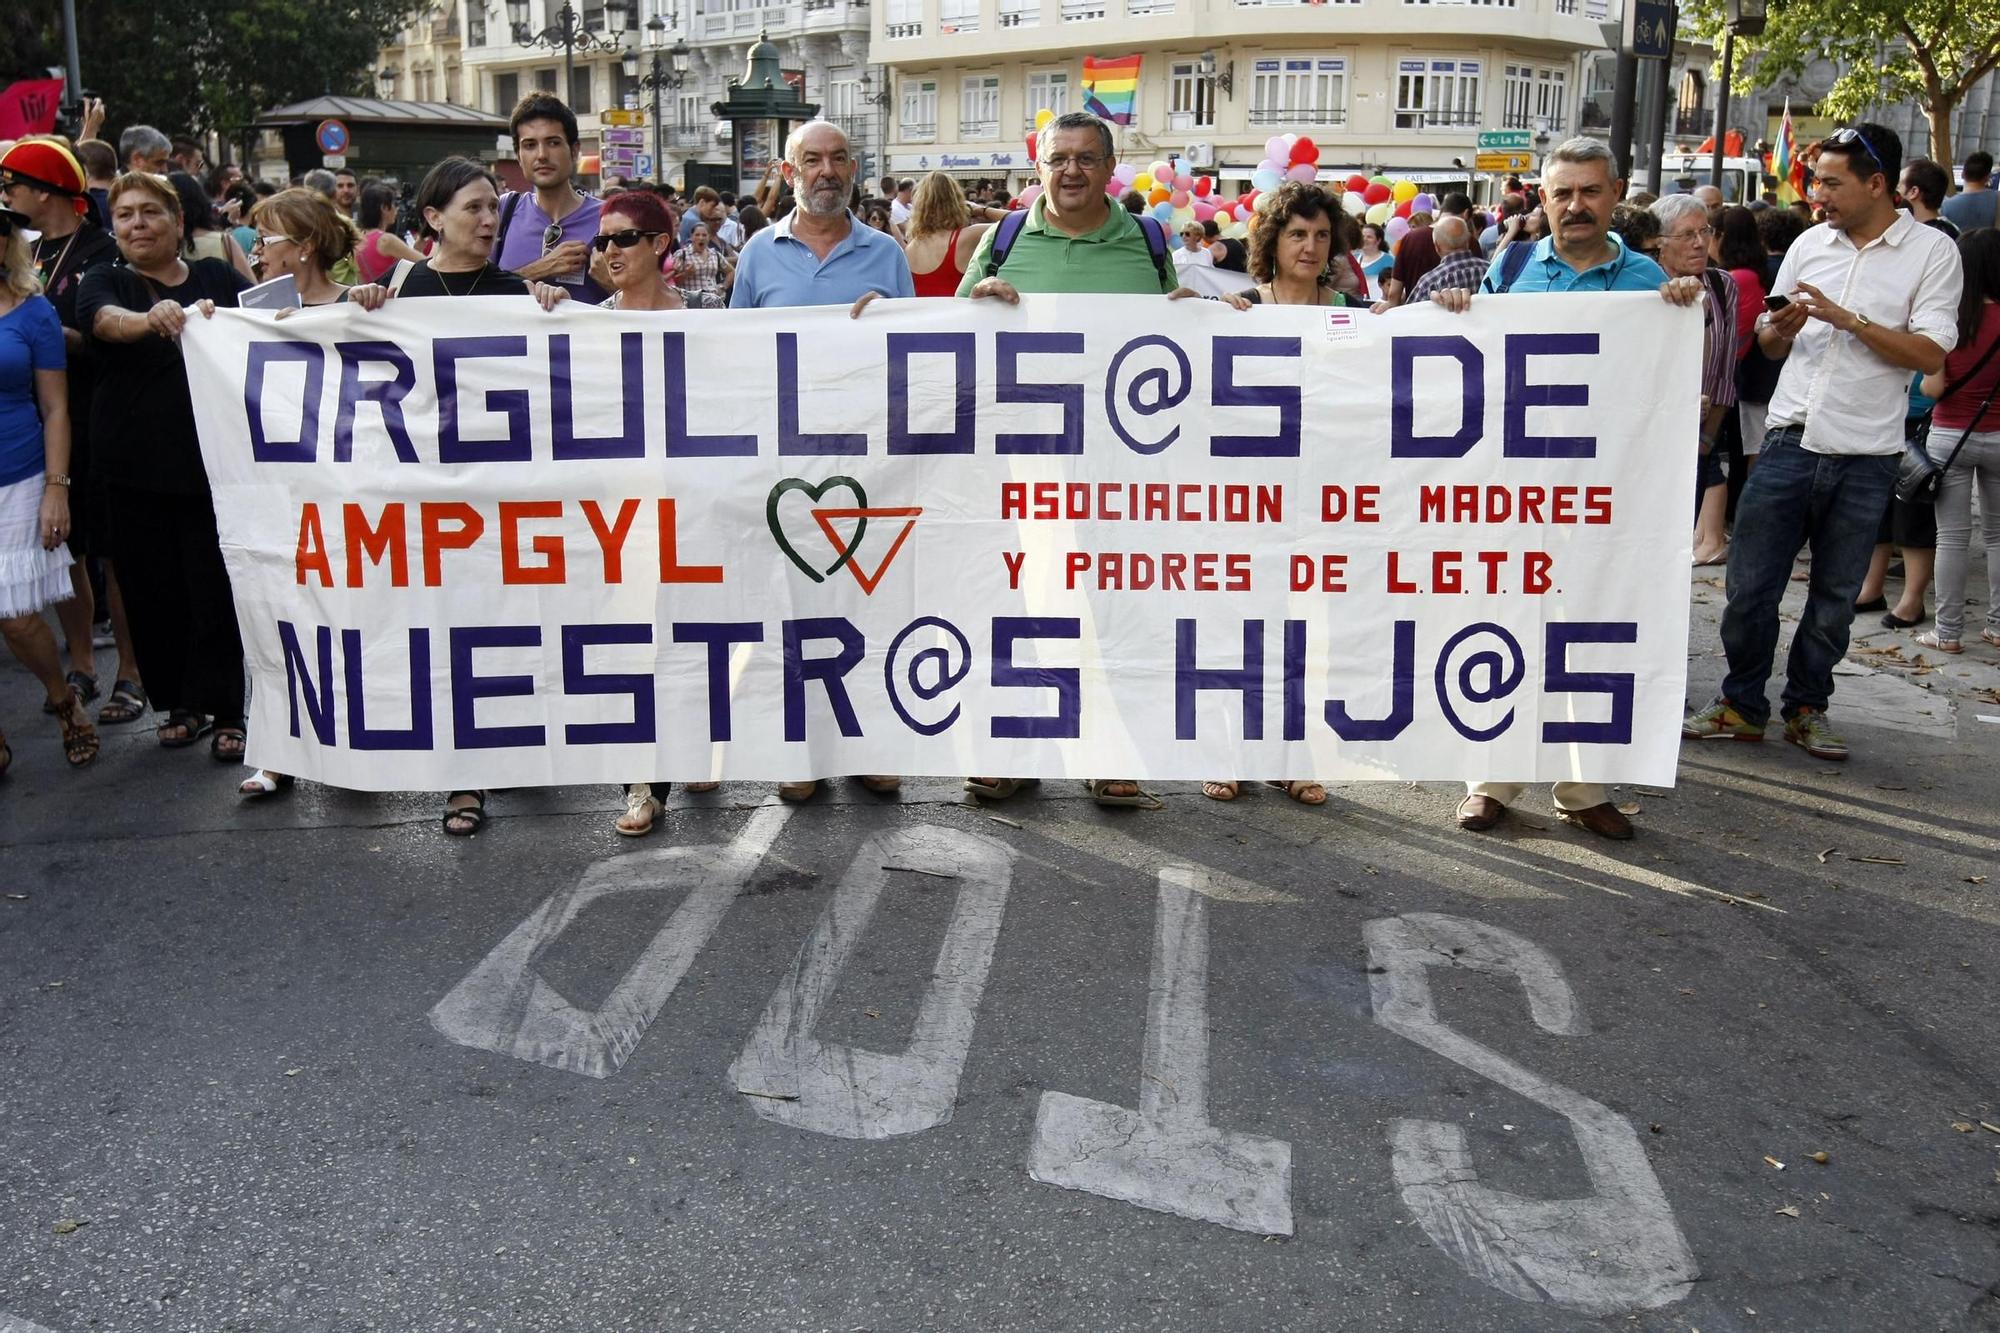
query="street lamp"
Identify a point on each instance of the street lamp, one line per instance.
(672, 76)
(880, 101)
(569, 33)
(386, 79)
(1739, 16)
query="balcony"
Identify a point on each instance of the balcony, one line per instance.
(1437, 120)
(979, 129)
(688, 136)
(912, 133)
(1143, 8)
(1694, 124)
(958, 26)
(1082, 11)
(1027, 16)
(896, 30)
(1281, 116)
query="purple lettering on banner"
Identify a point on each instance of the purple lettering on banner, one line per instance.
(1522, 395)
(1228, 393)
(1295, 680)
(386, 394)
(719, 635)
(1404, 353)
(681, 442)
(790, 439)
(1558, 678)
(517, 445)
(468, 687)
(1149, 392)
(416, 736)
(631, 389)
(831, 671)
(1402, 695)
(1008, 388)
(1190, 680)
(960, 348)
(637, 686)
(1503, 677)
(306, 447)
(1066, 723)
(949, 671)
(319, 704)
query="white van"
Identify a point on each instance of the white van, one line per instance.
(1742, 177)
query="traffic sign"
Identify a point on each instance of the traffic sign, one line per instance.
(631, 134)
(331, 136)
(1502, 162)
(620, 116)
(1500, 141)
(642, 165)
(1652, 20)
(333, 161)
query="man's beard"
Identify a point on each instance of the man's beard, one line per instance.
(834, 194)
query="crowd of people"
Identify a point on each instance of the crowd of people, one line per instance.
(1836, 330)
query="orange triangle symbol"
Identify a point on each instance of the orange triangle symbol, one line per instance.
(825, 518)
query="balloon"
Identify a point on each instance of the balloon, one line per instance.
(1266, 179)
(1247, 204)
(1357, 183)
(1032, 193)
(1183, 181)
(1203, 210)
(1162, 171)
(1396, 230)
(1305, 150)
(1126, 173)
(1158, 196)
(1354, 204)
(1143, 182)
(1380, 180)
(1115, 188)
(1270, 164)
(1163, 211)
(1202, 185)
(1376, 193)
(1403, 209)
(1377, 214)
(1179, 198)
(1043, 117)
(1304, 173)
(1033, 146)
(1424, 203)
(1403, 191)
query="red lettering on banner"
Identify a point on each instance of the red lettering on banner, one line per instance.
(1013, 559)
(1507, 504)
(611, 540)
(1335, 505)
(386, 537)
(1013, 499)
(312, 548)
(433, 515)
(1535, 573)
(671, 568)
(1331, 575)
(1397, 583)
(554, 567)
(1597, 504)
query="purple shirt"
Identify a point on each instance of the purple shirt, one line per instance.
(521, 245)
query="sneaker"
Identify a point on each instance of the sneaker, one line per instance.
(1720, 722)
(1808, 729)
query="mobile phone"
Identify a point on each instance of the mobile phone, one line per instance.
(1776, 303)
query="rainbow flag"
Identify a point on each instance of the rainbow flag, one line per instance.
(1111, 87)
(1786, 164)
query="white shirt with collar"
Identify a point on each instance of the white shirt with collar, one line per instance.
(1849, 399)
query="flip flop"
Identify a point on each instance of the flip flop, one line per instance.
(1221, 791)
(1100, 792)
(999, 789)
(1299, 788)
(640, 803)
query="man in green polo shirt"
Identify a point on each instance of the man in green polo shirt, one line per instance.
(1073, 241)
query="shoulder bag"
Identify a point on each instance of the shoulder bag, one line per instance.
(1920, 477)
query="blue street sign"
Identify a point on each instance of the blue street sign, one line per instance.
(642, 164)
(1652, 22)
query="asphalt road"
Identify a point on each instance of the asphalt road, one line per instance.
(310, 1065)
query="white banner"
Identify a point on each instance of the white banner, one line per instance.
(475, 545)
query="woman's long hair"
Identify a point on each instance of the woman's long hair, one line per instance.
(1979, 255)
(937, 206)
(19, 265)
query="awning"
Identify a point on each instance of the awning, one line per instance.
(379, 111)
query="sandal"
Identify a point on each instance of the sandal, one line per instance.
(1100, 792)
(82, 684)
(264, 783)
(797, 791)
(641, 809)
(881, 784)
(79, 738)
(1305, 791)
(463, 821)
(1990, 637)
(1221, 791)
(190, 724)
(999, 789)
(700, 786)
(126, 704)
(226, 746)
(1929, 639)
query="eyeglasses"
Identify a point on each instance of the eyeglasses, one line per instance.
(1852, 136)
(624, 240)
(551, 237)
(1081, 161)
(273, 240)
(1701, 233)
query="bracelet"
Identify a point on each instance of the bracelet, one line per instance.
(57, 479)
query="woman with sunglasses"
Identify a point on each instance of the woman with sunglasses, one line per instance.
(298, 233)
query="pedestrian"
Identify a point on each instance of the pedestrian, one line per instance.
(753, 220)
(1071, 240)
(1416, 255)
(1835, 432)
(100, 168)
(1375, 260)
(346, 192)
(821, 254)
(942, 234)
(707, 209)
(1972, 207)
(544, 234)
(143, 148)
(1459, 262)
(1511, 206)
(1924, 186)
(1192, 252)
(1685, 232)
(905, 200)
(1739, 251)
(375, 257)
(1580, 187)
(34, 486)
(703, 272)
(205, 234)
(1964, 390)
(164, 546)
(1229, 253)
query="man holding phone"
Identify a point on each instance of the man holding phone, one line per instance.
(1861, 300)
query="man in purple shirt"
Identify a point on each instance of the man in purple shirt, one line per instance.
(545, 233)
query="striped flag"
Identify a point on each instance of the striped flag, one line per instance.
(1111, 87)
(1786, 164)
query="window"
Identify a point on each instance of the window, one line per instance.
(1437, 94)
(1488, 4)
(687, 110)
(1306, 90)
(506, 93)
(1190, 97)
(1020, 13)
(1520, 97)
(1047, 88)
(1142, 8)
(919, 117)
(979, 107)
(545, 79)
(958, 16)
(475, 25)
(843, 98)
(1552, 98)
(904, 18)
(624, 90)
(581, 99)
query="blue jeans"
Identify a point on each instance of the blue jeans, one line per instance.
(1792, 498)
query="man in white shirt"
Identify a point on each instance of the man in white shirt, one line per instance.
(900, 206)
(1873, 295)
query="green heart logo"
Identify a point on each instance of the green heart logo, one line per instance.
(814, 493)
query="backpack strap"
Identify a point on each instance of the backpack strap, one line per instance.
(507, 207)
(1156, 244)
(1005, 231)
(401, 275)
(1512, 260)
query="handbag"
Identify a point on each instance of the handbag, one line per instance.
(1919, 477)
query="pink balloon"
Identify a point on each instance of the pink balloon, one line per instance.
(1183, 181)
(1303, 172)
(1113, 187)
(1032, 193)
(1179, 198)
(1203, 210)
(1277, 149)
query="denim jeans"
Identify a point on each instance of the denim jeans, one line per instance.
(1793, 498)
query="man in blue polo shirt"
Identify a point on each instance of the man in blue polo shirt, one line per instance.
(819, 253)
(1580, 187)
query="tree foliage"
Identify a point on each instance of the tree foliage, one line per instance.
(205, 64)
(1928, 51)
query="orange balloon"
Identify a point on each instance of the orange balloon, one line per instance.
(1159, 196)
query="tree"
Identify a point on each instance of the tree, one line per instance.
(1928, 51)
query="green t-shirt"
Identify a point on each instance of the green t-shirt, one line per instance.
(1114, 258)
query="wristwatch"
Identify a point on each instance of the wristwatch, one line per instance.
(56, 478)
(1862, 321)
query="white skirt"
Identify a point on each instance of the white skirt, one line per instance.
(30, 578)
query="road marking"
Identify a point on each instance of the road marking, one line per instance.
(828, 1088)
(1166, 1156)
(14, 1324)
(1123, 849)
(504, 1005)
(1613, 1252)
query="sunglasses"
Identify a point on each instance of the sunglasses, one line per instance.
(1848, 137)
(551, 237)
(624, 240)
(273, 240)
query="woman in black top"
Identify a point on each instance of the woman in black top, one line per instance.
(163, 539)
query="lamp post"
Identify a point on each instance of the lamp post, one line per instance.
(880, 101)
(672, 76)
(385, 79)
(1746, 17)
(568, 33)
